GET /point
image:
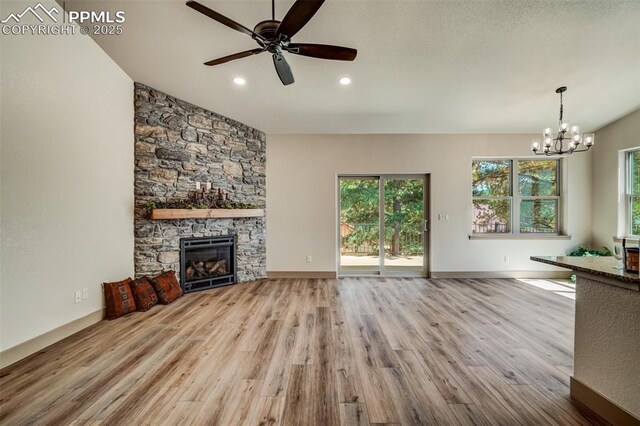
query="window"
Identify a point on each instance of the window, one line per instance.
(516, 196)
(633, 192)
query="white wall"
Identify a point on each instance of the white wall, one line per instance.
(66, 180)
(607, 341)
(301, 197)
(608, 204)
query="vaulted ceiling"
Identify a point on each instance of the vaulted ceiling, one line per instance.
(423, 66)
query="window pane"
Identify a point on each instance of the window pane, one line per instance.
(538, 177)
(635, 172)
(359, 224)
(491, 178)
(635, 215)
(538, 216)
(491, 216)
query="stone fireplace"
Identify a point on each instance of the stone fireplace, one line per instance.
(178, 144)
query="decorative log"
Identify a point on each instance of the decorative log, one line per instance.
(216, 266)
(198, 267)
(189, 272)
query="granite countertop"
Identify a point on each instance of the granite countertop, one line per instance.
(603, 266)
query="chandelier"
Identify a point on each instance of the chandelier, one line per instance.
(566, 141)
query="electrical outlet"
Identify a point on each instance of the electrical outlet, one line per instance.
(208, 186)
(443, 216)
(309, 259)
(197, 186)
(78, 297)
(506, 258)
(85, 293)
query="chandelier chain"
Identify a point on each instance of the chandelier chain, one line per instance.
(561, 108)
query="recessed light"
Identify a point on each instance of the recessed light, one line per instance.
(239, 81)
(345, 81)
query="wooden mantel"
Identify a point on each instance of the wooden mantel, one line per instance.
(171, 214)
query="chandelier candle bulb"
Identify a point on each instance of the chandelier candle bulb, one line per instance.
(576, 138)
(589, 140)
(564, 127)
(575, 129)
(547, 132)
(535, 146)
(548, 142)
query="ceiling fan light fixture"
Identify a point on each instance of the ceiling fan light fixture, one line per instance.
(274, 37)
(239, 81)
(345, 81)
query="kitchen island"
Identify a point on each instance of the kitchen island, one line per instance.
(606, 370)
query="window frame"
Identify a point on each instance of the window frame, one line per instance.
(629, 194)
(516, 198)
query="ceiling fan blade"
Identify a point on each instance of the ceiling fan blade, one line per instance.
(299, 14)
(222, 19)
(323, 51)
(282, 68)
(234, 57)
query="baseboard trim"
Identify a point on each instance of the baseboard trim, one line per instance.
(502, 274)
(31, 346)
(600, 404)
(435, 274)
(301, 274)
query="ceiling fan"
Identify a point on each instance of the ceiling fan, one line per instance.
(275, 37)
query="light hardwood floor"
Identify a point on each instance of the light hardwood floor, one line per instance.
(303, 352)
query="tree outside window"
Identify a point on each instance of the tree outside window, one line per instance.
(515, 196)
(633, 192)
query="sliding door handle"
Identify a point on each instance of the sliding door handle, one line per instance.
(426, 225)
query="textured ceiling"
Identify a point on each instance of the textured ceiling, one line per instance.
(422, 66)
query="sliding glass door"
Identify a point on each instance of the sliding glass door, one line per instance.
(382, 226)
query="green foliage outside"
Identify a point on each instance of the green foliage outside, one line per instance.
(635, 188)
(403, 214)
(635, 218)
(359, 211)
(491, 189)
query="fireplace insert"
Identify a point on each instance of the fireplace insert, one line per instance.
(207, 262)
